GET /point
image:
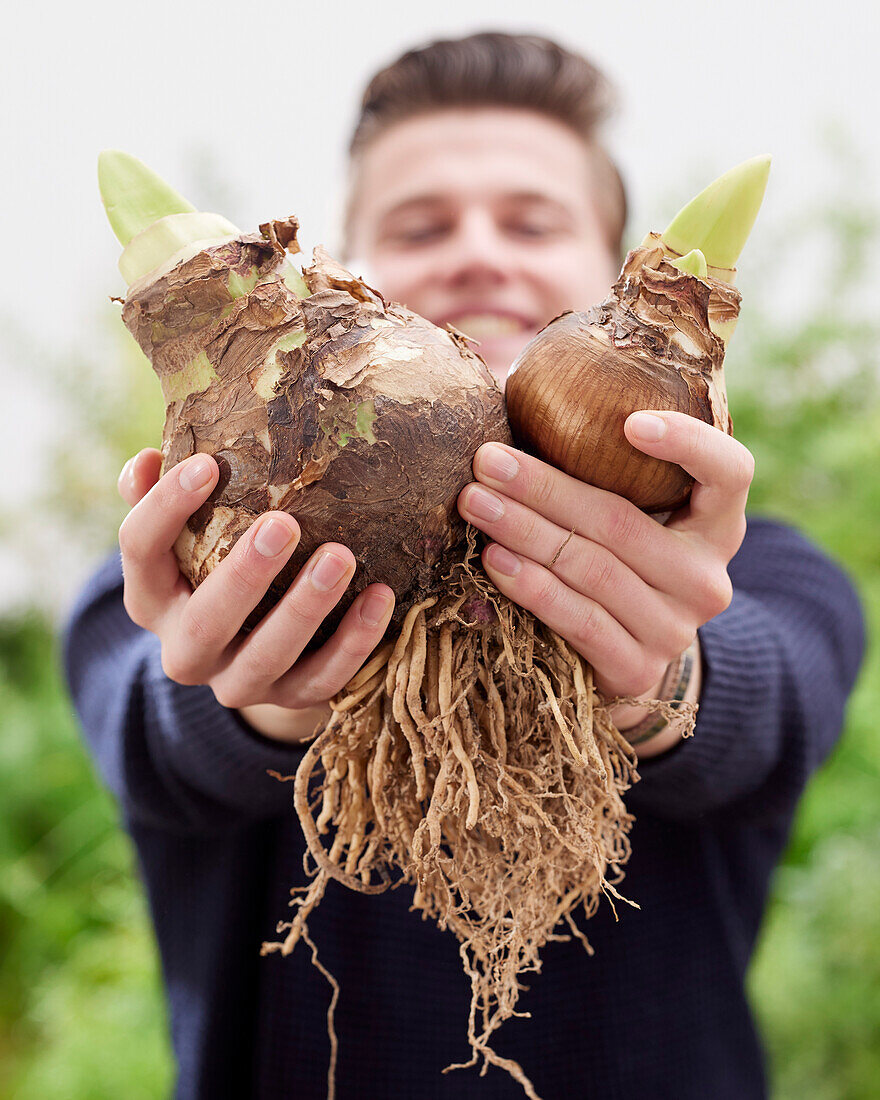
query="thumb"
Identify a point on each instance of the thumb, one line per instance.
(139, 475)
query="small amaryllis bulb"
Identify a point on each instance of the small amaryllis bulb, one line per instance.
(656, 342)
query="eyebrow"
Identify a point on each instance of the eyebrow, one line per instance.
(417, 202)
(428, 199)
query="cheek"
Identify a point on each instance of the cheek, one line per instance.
(402, 277)
(568, 276)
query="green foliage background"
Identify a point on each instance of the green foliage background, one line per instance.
(81, 1010)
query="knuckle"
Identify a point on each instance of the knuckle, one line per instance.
(716, 593)
(239, 572)
(599, 575)
(546, 595)
(133, 606)
(737, 535)
(698, 439)
(231, 696)
(176, 668)
(625, 525)
(354, 650)
(529, 525)
(319, 690)
(743, 467)
(198, 633)
(683, 638)
(301, 696)
(129, 544)
(541, 489)
(298, 616)
(167, 498)
(587, 625)
(251, 668)
(653, 670)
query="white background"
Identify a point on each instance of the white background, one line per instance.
(263, 98)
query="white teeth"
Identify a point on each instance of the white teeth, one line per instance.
(483, 325)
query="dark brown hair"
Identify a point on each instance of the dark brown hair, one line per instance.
(501, 70)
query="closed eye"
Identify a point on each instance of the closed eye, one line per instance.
(417, 234)
(532, 230)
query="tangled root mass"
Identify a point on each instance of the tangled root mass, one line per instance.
(473, 759)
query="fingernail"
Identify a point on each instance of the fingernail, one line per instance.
(124, 472)
(483, 505)
(502, 560)
(327, 571)
(648, 427)
(196, 473)
(374, 607)
(498, 464)
(271, 537)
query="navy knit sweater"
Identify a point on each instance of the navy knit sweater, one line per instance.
(658, 1012)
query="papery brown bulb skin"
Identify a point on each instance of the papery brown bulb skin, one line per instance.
(577, 424)
(649, 345)
(355, 415)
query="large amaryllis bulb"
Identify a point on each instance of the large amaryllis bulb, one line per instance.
(656, 342)
(356, 415)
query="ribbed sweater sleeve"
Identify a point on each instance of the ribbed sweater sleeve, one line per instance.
(778, 666)
(172, 755)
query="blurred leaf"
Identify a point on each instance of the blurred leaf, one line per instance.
(815, 978)
(80, 975)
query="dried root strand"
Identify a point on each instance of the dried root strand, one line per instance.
(450, 717)
(474, 760)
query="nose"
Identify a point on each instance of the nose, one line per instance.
(478, 252)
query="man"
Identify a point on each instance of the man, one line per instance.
(480, 196)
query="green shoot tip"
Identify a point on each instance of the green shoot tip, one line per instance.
(718, 221)
(134, 196)
(693, 263)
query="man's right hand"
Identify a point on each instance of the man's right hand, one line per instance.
(260, 673)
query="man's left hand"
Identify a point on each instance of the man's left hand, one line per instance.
(625, 591)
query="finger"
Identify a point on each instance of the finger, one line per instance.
(275, 644)
(201, 628)
(153, 580)
(583, 565)
(139, 475)
(622, 666)
(319, 676)
(649, 550)
(721, 466)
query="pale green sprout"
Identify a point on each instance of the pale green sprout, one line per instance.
(718, 221)
(134, 196)
(694, 263)
(157, 226)
(176, 236)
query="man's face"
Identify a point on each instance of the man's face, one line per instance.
(483, 219)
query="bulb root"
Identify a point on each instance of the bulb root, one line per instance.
(479, 765)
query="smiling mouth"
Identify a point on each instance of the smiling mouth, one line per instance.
(485, 326)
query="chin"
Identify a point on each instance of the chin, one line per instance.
(500, 360)
(498, 369)
(501, 376)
